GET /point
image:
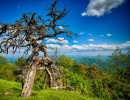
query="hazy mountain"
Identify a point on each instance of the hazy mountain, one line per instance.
(88, 61)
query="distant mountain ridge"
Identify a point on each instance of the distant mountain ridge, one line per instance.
(11, 60)
(89, 61)
(77, 59)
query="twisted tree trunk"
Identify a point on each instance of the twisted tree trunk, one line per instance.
(50, 70)
(27, 89)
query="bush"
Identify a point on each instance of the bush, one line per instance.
(6, 69)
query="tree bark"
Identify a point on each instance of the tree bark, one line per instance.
(27, 89)
(50, 77)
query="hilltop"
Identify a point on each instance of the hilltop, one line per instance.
(11, 91)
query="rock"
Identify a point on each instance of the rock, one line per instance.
(7, 93)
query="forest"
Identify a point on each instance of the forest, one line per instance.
(110, 82)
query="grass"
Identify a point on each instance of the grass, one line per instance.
(11, 91)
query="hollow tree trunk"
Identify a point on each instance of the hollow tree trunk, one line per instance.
(26, 91)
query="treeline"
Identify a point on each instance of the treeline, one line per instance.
(111, 81)
(100, 62)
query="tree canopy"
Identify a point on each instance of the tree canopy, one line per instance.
(31, 28)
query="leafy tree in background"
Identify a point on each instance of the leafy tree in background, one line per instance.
(113, 83)
(6, 69)
(40, 80)
(93, 72)
(116, 61)
(75, 82)
(21, 71)
(26, 32)
(80, 69)
(65, 61)
(126, 72)
(119, 64)
(3, 60)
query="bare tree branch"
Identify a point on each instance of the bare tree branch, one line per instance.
(26, 32)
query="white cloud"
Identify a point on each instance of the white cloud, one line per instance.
(75, 41)
(53, 46)
(84, 49)
(90, 47)
(60, 38)
(108, 35)
(1, 38)
(83, 14)
(40, 41)
(125, 45)
(100, 7)
(89, 34)
(77, 48)
(57, 41)
(61, 48)
(46, 38)
(91, 40)
(101, 35)
(61, 27)
(127, 42)
(81, 33)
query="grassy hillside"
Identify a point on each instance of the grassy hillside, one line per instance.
(11, 91)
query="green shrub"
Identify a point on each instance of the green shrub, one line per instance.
(6, 69)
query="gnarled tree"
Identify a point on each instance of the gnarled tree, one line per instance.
(26, 32)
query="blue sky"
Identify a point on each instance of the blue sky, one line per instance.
(102, 25)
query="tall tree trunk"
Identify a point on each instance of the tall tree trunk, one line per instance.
(26, 91)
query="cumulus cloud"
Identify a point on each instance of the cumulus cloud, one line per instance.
(60, 41)
(53, 46)
(127, 42)
(75, 41)
(100, 7)
(90, 47)
(61, 27)
(61, 48)
(101, 35)
(89, 34)
(60, 38)
(125, 45)
(81, 33)
(108, 35)
(83, 14)
(91, 40)
(84, 49)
